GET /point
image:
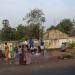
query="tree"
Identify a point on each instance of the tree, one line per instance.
(65, 26)
(5, 23)
(7, 33)
(35, 19)
(52, 27)
(20, 33)
(13, 34)
(72, 33)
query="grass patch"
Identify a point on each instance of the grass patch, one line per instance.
(52, 49)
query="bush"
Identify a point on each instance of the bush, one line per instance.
(71, 45)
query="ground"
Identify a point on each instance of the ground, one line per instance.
(61, 67)
(42, 65)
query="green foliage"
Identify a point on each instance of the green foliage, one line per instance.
(71, 45)
(20, 32)
(35, 18)
(72, 33)
(25, 38)
(34, 29)
(65, 26)
(52, 27)
(6, 33)
(52, 49)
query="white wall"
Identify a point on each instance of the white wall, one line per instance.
(57, 43)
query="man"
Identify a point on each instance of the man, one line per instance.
(42, 46)
(63, 47)
(30, 42)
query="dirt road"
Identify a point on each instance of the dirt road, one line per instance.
(62, 67)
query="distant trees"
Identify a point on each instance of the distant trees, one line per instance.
(52, 27)
(20, 32)
(6, 32)
(72, 33)
(33, 28)
(67, 26)
(35, 19)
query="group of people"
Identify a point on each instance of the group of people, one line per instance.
(20, 54)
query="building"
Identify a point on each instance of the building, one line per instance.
(53, 38)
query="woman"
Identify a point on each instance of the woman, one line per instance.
(22, 55)
(28, 55)
(17, 56)
(0, 54)
(6, 51)
(11, 54)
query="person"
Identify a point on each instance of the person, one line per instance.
(32, 50)
(42, 46)
(19, 49)
(26, 42)
(0, 54)
(4, 59)
(30, 42)
(28, 55)
(16, 55)
(22, 55)
(63, 47)
(39, 49)
(11, 54)
(6, 52)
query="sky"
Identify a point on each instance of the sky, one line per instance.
(54, 10)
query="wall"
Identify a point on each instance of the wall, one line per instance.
(56, 43)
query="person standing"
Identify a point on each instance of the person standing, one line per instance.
(19, 49)
(6, 52)
(26, 42)
(30, 42)
(16, 55)
(22, 55)
(42, 46)
(11, 54)
(0, 54)
(28, 55)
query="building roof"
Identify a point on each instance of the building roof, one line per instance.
(55, 34)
